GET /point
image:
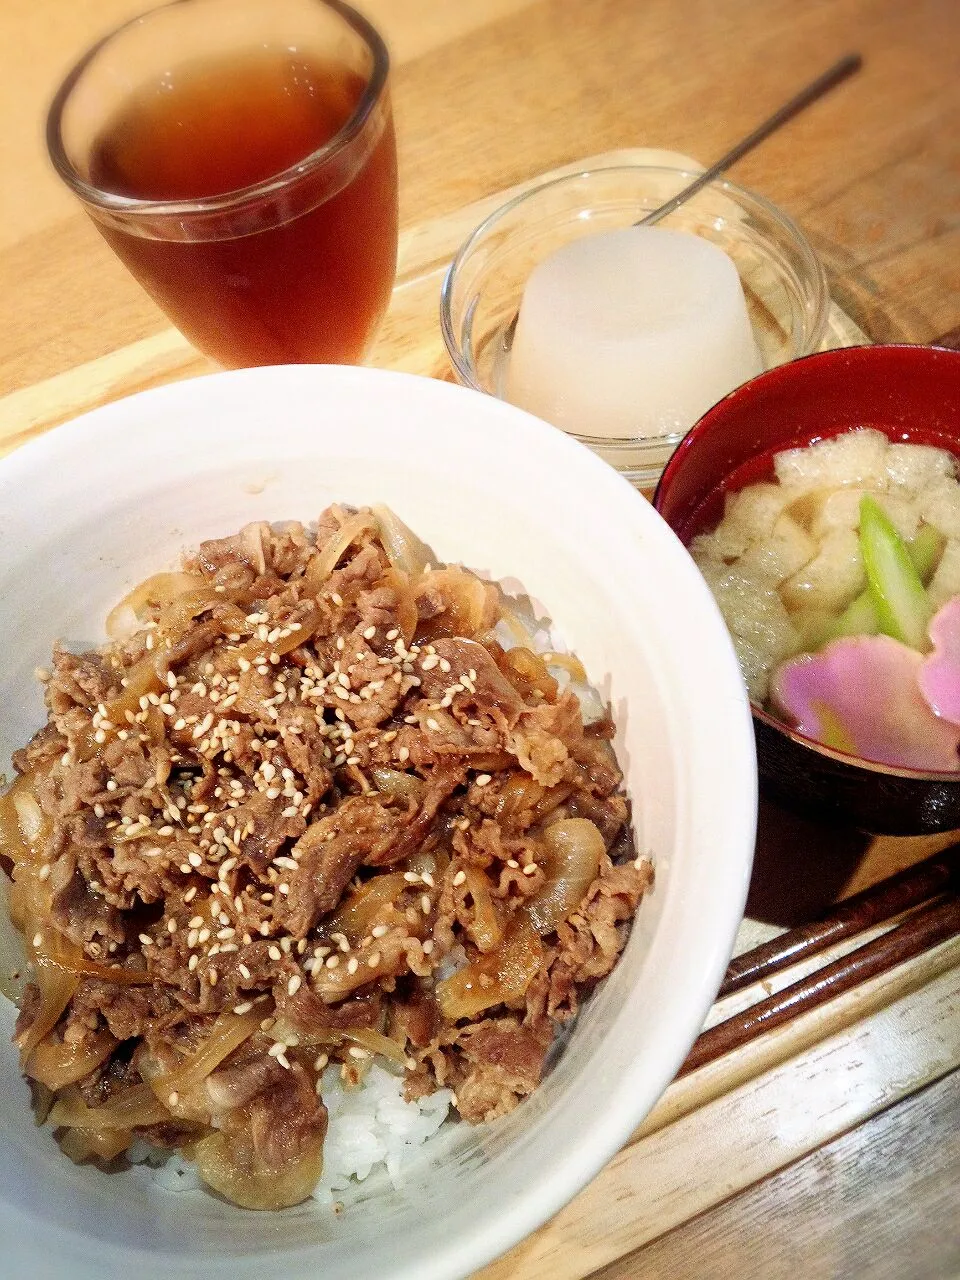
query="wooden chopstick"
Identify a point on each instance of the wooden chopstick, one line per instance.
(882, 902)
(931, 924)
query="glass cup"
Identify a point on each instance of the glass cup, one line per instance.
(239, 157)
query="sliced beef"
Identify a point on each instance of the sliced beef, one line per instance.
(129, 1011)
(82, 680)
(84, 916)
(503, 1064)
(328, 854)
(45, 747)
(590, 942)
(286, 1118)
(300, 756)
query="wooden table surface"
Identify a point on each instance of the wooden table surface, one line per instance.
(490, 93)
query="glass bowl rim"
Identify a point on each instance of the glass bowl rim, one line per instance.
(815, 275)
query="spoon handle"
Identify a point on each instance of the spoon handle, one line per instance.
(839, 71)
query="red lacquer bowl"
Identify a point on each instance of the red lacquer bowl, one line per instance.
(910, 393)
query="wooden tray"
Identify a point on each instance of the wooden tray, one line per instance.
(409, 340)
(774, 1099)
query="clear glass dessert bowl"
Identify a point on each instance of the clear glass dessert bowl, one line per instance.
(783, 281)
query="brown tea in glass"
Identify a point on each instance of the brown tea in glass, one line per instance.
(239, 157)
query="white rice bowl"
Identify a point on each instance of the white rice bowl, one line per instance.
(99, 504)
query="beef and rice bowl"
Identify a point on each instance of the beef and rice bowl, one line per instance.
(307, 810)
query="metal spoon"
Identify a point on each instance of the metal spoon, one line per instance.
(816, 89)
(847, 65)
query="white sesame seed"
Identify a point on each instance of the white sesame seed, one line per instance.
(293, 986)
(373, 959)
(530, 869)
(433, 724)
(427, 947)
(243, 1008)
(275, 953)
(482, 779)
(174, 1098)
(459, 878)
(425, 904)
(332, 961)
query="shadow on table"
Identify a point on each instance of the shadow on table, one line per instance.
(800, 868)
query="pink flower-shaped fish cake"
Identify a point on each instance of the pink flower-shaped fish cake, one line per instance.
(939, 675)
(861, 694)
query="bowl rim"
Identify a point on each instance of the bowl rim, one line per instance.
(104, 201)
(817, 276)
(791, 371)
(606, 1129)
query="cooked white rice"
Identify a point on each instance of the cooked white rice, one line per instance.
(372, 1129)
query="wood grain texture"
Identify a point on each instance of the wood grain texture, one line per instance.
(409, 338)
(676, 1172)
(920, 931)
(491, 93)
(878, 1201)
